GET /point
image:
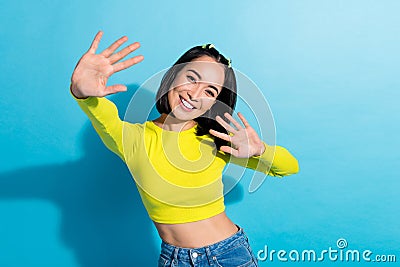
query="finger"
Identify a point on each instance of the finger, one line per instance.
(230, 150)
(95, 43)
(231, 119)
(245, 123)
(115, 89)
(111, 49)
(127, 63)
(124, 52)
(224, 124)
(220, 135)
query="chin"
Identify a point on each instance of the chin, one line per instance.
(182, 116)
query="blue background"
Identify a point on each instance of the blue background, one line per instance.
(328, 69)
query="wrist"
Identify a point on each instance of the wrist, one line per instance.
(261, 150)
(75, 92)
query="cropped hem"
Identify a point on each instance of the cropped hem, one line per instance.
(194, 219)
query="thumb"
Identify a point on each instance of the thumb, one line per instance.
(115, 89)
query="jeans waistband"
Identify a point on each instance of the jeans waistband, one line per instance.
(183, 253)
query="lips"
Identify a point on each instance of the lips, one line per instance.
(186, 104)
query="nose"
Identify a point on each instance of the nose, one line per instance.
(194, 93)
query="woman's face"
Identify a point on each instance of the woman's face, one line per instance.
(196, 88)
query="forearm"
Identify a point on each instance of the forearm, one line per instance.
(274, 161)
(284, 163)
(104, 117)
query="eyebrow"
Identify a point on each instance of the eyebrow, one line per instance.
(198, 75)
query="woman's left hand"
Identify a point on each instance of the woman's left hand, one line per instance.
(245, 141)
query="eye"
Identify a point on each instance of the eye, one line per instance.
(210, 92)
(191, 79)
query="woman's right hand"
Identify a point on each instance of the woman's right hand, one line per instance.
(91, 74)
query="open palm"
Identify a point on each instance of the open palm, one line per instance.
(91, 74)
(244, 140)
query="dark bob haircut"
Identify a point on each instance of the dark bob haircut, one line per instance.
(225, 102)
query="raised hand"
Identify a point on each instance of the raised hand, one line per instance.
(245, 141)
(91, 74)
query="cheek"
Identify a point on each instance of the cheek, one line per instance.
(171, 98)
(173, 91)
(179, 81)
(208, 103)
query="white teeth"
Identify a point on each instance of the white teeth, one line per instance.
(186, 104)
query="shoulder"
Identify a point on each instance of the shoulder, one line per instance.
(134, 127)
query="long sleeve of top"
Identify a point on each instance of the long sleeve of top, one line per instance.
(178, 174)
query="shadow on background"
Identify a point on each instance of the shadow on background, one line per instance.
(103, 219)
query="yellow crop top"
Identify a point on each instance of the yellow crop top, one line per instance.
(178, 174)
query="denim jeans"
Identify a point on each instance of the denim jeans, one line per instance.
(232, 251)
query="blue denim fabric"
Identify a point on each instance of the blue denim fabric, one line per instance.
(234, 251)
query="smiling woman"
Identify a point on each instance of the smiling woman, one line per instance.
(201, 70)
(191, 94)
(177, 160)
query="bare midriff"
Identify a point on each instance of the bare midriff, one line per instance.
(197, 234)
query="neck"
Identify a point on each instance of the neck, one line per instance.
(171, 123)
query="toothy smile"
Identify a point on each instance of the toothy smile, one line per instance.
(186, 104)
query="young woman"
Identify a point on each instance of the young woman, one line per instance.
(177, 159)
